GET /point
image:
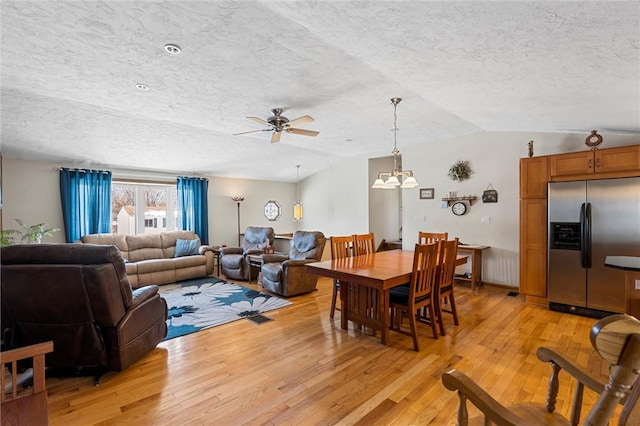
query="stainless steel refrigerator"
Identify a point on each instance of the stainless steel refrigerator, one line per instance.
(588, 221)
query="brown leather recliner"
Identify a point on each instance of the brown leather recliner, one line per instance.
(286, 275)
(79, 296)
(234, 260)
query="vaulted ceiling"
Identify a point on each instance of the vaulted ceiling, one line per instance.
(69, 72)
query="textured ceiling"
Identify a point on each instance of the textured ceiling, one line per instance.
(69, 70)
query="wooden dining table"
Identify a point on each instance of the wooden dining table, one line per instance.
(365, 282)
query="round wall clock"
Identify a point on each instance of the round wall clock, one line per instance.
(272, 210)
(459, 208)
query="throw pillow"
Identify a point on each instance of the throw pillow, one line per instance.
(187, 247)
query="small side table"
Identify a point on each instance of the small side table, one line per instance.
(476, 263)
(216, 260)
(255, 261)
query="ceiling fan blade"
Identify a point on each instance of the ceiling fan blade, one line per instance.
(302, 132)
(259, 120)
(302, 120)
(275, 137)
(252, 131)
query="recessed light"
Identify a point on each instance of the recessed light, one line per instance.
(174, 49)
(142, 86)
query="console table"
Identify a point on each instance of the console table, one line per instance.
(476, 263)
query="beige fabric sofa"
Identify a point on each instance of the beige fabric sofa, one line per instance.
(150, 258)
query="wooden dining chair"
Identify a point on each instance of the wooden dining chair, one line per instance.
(364, 244)
(446, 278)
(615, 338)
(431, 237)
(409, 300)
(341, 247)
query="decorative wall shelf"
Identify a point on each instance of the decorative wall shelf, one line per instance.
(469, 198)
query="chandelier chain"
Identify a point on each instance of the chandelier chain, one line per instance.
(395, 126)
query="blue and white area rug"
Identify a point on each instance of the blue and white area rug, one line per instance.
(202, 303)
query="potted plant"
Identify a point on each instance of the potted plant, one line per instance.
(28, 234)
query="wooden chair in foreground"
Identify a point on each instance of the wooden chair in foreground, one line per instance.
(446, 278)
(341, 247)
(616, 338)
(409, 300)
(31, 408)
(431, 237)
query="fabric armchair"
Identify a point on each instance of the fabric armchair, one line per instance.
(233, 260)
(286, 275)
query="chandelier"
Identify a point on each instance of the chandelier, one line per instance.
(393, 177)
(297, 206)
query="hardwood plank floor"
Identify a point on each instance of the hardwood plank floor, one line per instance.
(303, 369)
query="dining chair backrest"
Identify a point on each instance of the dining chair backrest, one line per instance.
(447, 261)
(341, 246)
(364, 244)
(431, 237)
(425, 266)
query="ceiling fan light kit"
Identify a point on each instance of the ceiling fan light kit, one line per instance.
(393, 177)
(278, 123)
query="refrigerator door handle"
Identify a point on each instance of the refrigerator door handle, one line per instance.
(587, 217)
(583, 236)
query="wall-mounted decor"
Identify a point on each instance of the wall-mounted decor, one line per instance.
(490, 195)
(426, 193)
(459, 208)
(460, 170)
(272, 210)
(593, 140)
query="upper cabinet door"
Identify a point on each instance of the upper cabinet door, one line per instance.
(617, 159)
(534, 175)
(598, 161)
(575, 163)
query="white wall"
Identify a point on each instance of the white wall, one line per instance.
(223, 211)
(31, 193)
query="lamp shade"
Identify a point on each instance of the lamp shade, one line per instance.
(297, 211)
(378, 183)
(409, 182)
(392, 181)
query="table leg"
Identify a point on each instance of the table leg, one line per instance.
(476, 269)
(384, 310)
(344, 305)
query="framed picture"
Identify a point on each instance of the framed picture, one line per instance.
(426, 193)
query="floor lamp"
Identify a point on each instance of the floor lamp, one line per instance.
(238, 200)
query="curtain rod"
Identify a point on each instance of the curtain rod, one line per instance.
(82, 170)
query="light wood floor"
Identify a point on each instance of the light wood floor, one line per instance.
(303, 369)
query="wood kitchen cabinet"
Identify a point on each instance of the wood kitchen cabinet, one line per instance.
(533, 247)
(599, 161)
(534, 177)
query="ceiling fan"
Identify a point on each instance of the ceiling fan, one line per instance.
(278, 123)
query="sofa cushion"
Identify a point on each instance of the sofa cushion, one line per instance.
(117, 240)
(169, 239)
(187, 247)
(144, 247)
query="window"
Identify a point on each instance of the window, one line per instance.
(159, 208)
